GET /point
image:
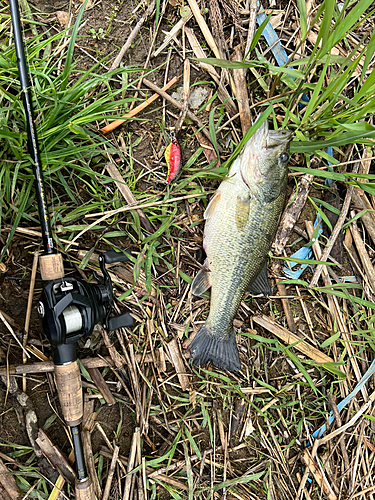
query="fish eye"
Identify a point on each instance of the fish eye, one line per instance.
(284, 158)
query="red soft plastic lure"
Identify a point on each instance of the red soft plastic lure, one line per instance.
(173, 158)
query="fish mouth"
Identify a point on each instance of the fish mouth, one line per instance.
(278, 138)
(268, 139)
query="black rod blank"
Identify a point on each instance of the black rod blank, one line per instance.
(78, 452)
(31, 130)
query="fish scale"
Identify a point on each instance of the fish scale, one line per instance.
(232, 270)
(241, 222)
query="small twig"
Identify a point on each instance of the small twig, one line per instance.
(136, 110)
(28, 311)
(128, 208)
(13, 334)
(185, 97)
(204, 28)
(241, 93)
(334, 234)
(54, 455)
(172, 34)
(335, 310)
(208, 150)
(286, 306)
(318, 475)
(361, 201)
(342, 441)
(179, 106)
(291, 338)
(178, 363)
(251, 28)
(133, 35)
(37, 234)
(31, 295)
(363, 255)
(149, 471)
(111, 471)
(126, 193)
(101, 385)
(132, 456)
(48, 366)
(351, 422)
(8, 482)
(222, 92)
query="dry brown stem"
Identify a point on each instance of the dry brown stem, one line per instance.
(127, 194)
(132, 36)
(178, 363)
(136, 110)
(292, 212)
(318, 475)
(222, 92)
(54, 455)
(291, 338)
(179, 106)
(241, 93)
(334, 234)
(8, 483)
(101, 385)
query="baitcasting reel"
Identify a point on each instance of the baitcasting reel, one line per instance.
(70, 309)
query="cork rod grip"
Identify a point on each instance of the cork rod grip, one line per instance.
(51, 266)
(68, 383)
(85, 490)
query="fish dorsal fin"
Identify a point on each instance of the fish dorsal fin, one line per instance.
(201, 282)
(260, 285)
(242, 211)
(211, 206)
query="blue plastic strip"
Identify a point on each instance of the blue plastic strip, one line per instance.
(319, 433)
(277, 49)
(282, 59)
(272, 39)
(302, 253)
(306, 252)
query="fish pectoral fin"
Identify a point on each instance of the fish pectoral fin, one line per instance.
(242, 211)
(201, 282)
(260, 285)
(211, 206)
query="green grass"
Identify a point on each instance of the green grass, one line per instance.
(69, 104)
(338, 112)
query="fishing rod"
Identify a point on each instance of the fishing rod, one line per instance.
(69, 308)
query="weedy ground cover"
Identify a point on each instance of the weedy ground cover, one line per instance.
(184, 432)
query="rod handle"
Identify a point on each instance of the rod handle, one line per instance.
(51, 266)
(85, 490)
(69, 388)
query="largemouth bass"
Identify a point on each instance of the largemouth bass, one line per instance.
(241, 222)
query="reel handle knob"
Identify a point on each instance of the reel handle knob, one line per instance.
(112, 257)
(120, 321)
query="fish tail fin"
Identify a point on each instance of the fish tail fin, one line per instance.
(222, 353)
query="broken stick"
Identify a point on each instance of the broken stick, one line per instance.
(136, 110)
(127, 194)
(179, 106)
